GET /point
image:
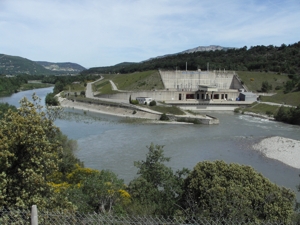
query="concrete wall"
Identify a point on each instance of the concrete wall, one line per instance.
(236, 83)
(190, 80)
(170, 95)
(156, 95)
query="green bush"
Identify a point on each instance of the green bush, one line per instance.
(51, 99)
(153, 103)
(134, 102)
(237, 110)
(164, 117)
(232, 191)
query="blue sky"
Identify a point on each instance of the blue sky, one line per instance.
(106, 32)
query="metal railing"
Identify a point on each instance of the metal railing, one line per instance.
(34, 217)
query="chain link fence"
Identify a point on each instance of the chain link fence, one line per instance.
(23, 217)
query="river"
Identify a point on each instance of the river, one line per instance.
(107, 142)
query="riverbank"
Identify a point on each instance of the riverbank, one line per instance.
(136, 112)
(114, 111)
(282, 149)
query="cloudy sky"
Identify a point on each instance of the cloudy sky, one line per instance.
(106, 32)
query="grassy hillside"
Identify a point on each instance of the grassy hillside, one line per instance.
(14, 65)
(66, 67)
(18, 65)
(148, 80)
(253, 80)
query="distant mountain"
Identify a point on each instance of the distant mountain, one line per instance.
(109, 69)
(13, 65)
(126, 67)
(282, 59)
(193, 50)
(206, 49)
(62, 67)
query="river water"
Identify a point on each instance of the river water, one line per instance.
(108, 142)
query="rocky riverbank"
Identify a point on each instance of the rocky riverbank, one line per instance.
(282, 149)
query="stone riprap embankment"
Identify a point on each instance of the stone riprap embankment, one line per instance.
(282, 149)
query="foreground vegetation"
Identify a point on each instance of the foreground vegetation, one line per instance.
(38, 166)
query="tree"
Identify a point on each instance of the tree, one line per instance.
(29, 154)
(82, 93)
(157, 189)
(5, 107)
(51, 99)
(266, 87)
(232, 191)
(152, 103)
(93, 191)
(288, 115)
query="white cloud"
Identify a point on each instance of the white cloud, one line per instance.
(106, 32)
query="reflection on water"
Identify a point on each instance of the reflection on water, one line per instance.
(106, 142)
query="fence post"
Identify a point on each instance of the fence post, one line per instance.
(34, 215)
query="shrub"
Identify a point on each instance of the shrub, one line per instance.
(265, 86)
(164, 117)
(134, 102)
(237, 110)
(269, 113)
(232, 191)
(153, 103)
(51, 99)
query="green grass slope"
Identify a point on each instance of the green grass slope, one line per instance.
(253, 80)
(138, 81)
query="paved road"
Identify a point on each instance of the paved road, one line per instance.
(114, 87)
(277, 104)
(89, 91)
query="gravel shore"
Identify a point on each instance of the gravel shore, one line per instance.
(282, 149)
(115, 111)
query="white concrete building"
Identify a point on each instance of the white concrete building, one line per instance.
(143, 100)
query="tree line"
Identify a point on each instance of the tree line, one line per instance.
(282, 59)
(38, 166)
(10, 85)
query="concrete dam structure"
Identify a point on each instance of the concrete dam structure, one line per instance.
(198, 89)
(190, 80)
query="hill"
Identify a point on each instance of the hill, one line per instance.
(283, 59)
(14, 65)
(67, 67)
(197, 49)
(109, 69)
